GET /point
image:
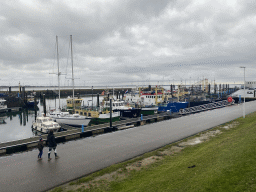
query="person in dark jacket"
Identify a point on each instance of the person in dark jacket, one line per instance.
(40, 148)
(52, 145)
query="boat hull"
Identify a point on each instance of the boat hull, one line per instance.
(97, 121)
(131, 113)
(73, 121)
(44, 129)
(173, 107)
(149, 111)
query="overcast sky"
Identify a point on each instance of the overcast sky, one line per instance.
(122, 42)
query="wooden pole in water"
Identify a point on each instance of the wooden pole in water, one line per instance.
(35, 106)
(98, 100)
(44, 105)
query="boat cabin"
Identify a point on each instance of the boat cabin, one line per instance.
(77, 103)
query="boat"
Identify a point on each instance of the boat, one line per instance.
(98, 117)
(149, 110)
(75, 120)
(3, 106)
(31, 101)
(147, 101)
(173, 107)
(76, 103)
(145, 98)
(123, 108)
(45, 124)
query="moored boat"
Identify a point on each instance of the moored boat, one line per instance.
(31, 101)
(45, 124)
(3, 106)
(172, 106)
(149, 110)
(97, 117)
(69, 119)
(76, 102)
(122, 108)
(145, 98)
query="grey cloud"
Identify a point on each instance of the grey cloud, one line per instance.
(129, 39)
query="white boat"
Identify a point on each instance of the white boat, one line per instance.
(3, 106)
(116, 105)
(45, 124)
(107, 115)
(69, 119)
(145, 98)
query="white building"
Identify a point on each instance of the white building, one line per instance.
(249, 93)
(250, 84)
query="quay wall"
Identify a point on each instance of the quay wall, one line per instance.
(76, 133)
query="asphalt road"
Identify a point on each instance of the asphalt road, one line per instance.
(22, 171)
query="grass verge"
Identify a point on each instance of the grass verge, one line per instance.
(221, 159)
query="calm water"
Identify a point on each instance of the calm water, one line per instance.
(18, 125)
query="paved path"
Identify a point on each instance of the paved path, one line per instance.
(22, 171)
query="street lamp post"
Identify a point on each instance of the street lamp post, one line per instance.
(92, 97)
(244, 93)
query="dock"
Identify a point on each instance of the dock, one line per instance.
(9, 110)
(73, 133)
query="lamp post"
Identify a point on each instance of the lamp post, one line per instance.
(244, 93)
(92, 97)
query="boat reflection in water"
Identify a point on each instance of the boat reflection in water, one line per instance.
(16, 125)
(2, 119)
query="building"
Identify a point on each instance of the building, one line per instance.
(250, 84)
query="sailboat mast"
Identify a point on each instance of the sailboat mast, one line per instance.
(72, 73)
(58, 67)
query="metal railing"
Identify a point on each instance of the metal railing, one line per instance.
(206, 107)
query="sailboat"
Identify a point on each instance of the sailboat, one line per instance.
(66, 117)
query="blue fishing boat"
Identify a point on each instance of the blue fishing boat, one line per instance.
(172, 106)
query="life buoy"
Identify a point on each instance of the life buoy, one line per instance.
(230, 99)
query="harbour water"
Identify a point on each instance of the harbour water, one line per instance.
(17, 125)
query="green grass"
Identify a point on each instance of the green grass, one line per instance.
(224, 163)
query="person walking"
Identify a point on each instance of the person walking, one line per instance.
(52, 145)
(40, 148)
